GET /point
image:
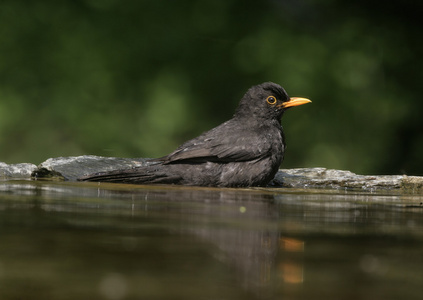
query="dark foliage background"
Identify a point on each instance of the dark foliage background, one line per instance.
(137, 78)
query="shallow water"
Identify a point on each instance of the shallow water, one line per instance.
(61, 240)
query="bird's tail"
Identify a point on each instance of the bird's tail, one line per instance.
(139, 175)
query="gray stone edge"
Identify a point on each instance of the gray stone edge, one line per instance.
(70, 168)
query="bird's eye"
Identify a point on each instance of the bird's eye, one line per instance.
(271, 100)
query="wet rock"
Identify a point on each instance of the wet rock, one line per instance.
(17, 171)
(71, 168)
(329, 178)
(412, 184)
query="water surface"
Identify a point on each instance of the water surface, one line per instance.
(61, 240)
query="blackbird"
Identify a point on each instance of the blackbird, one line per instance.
(244, 151)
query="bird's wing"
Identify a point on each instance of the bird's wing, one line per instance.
(229, 146)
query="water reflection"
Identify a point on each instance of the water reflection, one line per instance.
(233, 243)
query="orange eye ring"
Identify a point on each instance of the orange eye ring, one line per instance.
(271, 100)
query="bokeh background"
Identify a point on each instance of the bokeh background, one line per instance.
(137, 78)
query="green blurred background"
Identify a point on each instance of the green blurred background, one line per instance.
(138, 78)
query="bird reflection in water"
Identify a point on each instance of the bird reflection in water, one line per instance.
(291, 268)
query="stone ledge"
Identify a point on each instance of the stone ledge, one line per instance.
(71, 168)
(329, 178)
(16, 171)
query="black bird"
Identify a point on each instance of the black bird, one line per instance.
(246, 150)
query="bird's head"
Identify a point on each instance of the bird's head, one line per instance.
(268, 101)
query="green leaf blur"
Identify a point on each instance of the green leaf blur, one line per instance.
(138, 78)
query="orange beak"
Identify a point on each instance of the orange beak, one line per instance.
(294, 101)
